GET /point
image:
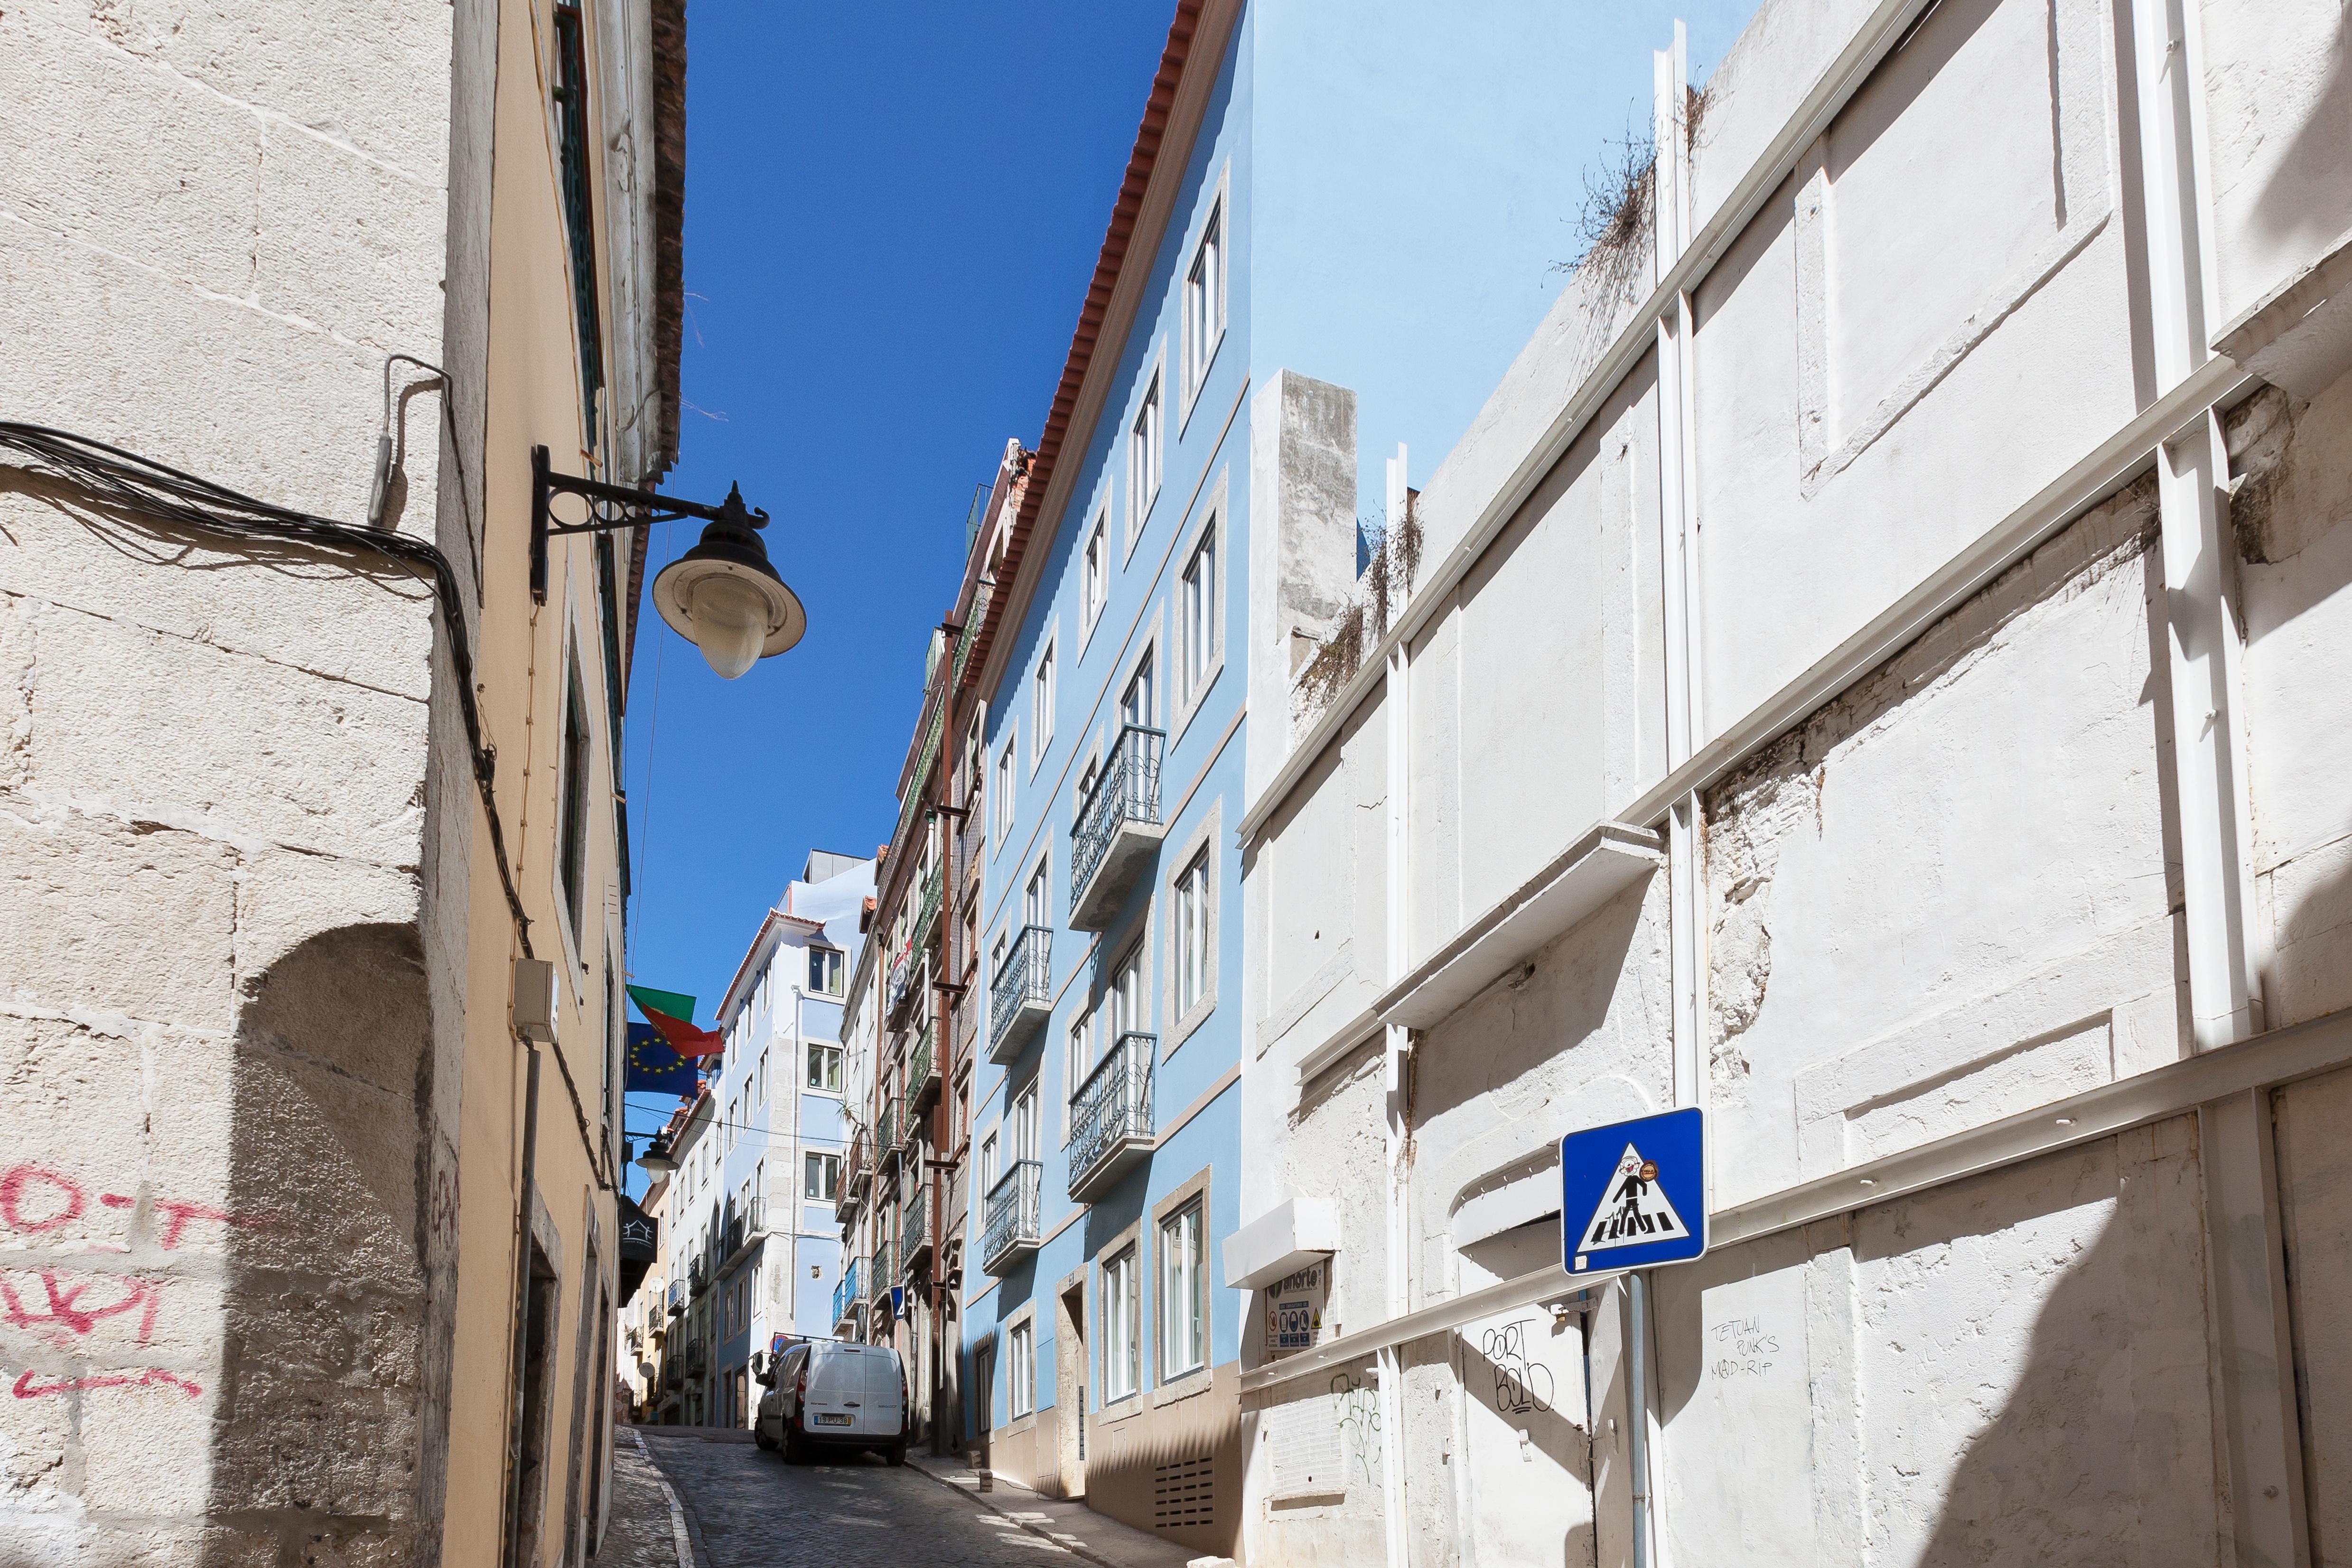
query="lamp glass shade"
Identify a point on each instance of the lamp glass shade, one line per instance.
(730, 622)
(655, 1161)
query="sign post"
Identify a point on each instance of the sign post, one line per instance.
(1634, 1193)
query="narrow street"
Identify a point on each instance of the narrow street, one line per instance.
(750, 1510)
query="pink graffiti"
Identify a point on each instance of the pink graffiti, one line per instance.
(65, 1309)
(21, 1181)
(26, 1388)
(13, 1193)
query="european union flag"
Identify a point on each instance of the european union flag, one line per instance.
(654, 1068)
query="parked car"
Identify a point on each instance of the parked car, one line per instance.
(830, 1394)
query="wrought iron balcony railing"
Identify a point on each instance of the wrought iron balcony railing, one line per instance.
(1110, 1115)
(1022, 993)
(885, 1267)
(856, 1170)
(885, 1135)
(849, 1293)
(1118, 825)
(922, 1073)
(915, 1229)
(928, 909)
(1009, 1232)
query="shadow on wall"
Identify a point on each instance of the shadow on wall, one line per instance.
(2314, 160)
(2026, 1379)
(335, 1361)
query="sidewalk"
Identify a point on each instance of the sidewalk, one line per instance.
(646, 1530)
(1095, 1537)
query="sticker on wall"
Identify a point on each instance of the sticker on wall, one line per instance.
(1643, 1184)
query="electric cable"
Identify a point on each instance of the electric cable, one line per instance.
(142, 487)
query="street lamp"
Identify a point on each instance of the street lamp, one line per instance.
(722, 596)
(655, 1161)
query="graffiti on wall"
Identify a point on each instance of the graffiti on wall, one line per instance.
(1357, 1409)
(1521, 1385)
(67, 1308)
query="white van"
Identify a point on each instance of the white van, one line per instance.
(833, 1394)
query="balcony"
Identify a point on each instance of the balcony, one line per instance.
(922, 1073)
(902, 977)
(884, 1272)
(1111, 1117)
(676, 1297)
(698, 1277)
(848, 1296)
(1010, 1232)
(927, 910)
(915, 1231)
(857, 1172)
(1022, 995)
(885, 1137)
(1118, 828)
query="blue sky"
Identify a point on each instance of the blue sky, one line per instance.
(891, 213)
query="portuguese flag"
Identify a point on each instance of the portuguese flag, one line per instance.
(672, 1013)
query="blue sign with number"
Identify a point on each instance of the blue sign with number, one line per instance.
(1634, 1193)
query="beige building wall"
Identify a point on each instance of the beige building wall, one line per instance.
(259, 1200)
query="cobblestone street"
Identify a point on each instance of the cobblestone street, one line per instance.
(747, 1509)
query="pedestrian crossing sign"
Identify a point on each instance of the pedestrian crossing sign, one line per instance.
(1634, 1193)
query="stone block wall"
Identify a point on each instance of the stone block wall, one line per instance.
(225, 1186)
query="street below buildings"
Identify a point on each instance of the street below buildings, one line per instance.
(747, 1509)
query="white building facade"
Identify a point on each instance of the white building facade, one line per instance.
(1876, 674)
(776, 1142)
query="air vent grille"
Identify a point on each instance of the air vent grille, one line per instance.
(1184, 1494)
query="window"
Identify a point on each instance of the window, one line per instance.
(1193, 935)
(1004, 791)
(824, 1067)
(820, 1177)
(1081, 1052)
(571, 97)
(1021, 1369)
(989, 1171)
(1143, 459)
(763, 1078)
(1094, 574)
(1204, 299)
(727, 1135)
(825, 971)
(1126, 1008)
(1182, 1306)
(1196, 615)
(571, 826)
(1041, 705)
(1036, 902)
(1135, 702)
(1025, 1123)
(1122, 1311)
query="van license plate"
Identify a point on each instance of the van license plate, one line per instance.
(826, 1418)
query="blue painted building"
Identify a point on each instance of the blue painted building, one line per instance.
(1338, 227)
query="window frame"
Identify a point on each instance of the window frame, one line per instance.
(1202, 336)
(1202, 848)
(835, 964)
(1191, 686)
(1045, 677)
(1021, 1369)
(1146, 446)
(1007, 780)
(826, 1168)
(1194, 1314)
(828, 1055)
(1121, 1296)
(1094, 572)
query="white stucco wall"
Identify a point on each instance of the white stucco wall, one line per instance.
(1944, 889)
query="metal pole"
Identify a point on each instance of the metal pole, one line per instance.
(1637, 1413)
(522, 1311)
